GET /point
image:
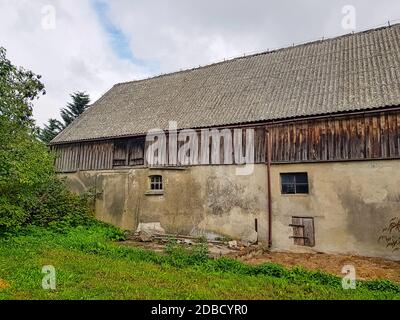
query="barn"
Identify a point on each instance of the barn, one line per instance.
(296, 148)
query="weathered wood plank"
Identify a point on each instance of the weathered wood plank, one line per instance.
(351, 138)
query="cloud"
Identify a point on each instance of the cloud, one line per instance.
(75, 55)
(97, 43)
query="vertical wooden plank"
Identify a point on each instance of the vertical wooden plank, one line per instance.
(262, 150)
(99, 163)
(337, 138)
(361, 137)
(281, 143)
(72, 165)
(285, 133)
(81, 161)
(376, 138)
(299, 142)
(63, 160)
(330, 140)
(304, 142)
(274, 143)
(354, 141)
(292, 142)
(314, 143)
(85, 165)
(392, 135)
(368, 137)
(298, 231)
(90, 155)
(323, 141)
(384, 135)
(345, 139)
(398, 133)
(309, 232)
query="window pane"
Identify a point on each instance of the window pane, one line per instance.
(155, 182)
(288, 188)
(301, 178)
(294, 183)
(302, 188)
(287, 178)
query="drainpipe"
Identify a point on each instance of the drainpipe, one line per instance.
(268, 153)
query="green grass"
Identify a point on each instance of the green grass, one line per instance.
(90, 266)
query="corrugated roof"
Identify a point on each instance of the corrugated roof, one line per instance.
(348, 73)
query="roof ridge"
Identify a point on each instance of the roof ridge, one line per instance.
(389, 26)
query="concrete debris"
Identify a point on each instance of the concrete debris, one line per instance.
(154, 233)
(150, 227)
(232, 244)
(145, 236)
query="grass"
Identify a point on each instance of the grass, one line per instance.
(90, 266)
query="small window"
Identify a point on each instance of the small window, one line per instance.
(303, 231)
(156, 183)
(293, 183)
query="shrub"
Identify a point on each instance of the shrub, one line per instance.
(180, 256)
(30, 192)
(55, 203)
(381, 285)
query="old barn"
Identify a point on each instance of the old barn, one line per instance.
(297, 148)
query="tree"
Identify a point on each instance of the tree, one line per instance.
(50, 130)
(80, 102)
(30, 191)
(24, 163)
(18, 88)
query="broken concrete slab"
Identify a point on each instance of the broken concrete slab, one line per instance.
(233, 244)
(150, 227)
(145, 236)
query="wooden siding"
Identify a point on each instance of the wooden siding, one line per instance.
(83, 156)
(128, 152)
(349, 138)
(360, 137)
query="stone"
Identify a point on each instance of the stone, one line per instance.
(232, 244)
(145, 236)
(150, 227)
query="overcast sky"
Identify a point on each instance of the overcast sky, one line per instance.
(89, 45)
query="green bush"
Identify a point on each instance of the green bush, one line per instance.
(30, 192)
(55, 203)
(179, 256)
(381, 285)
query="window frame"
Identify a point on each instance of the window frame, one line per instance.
(294, 185)
(156, 183)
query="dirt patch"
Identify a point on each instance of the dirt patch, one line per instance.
(366, 268)
(4, 284)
